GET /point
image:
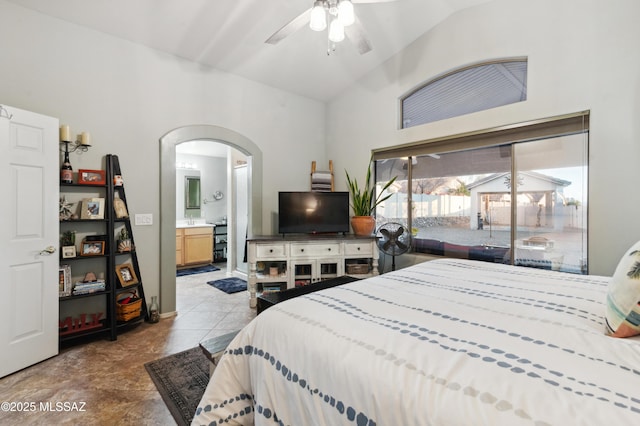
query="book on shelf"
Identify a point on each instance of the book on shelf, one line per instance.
(88, 287)
(270, 288)
(302, 283)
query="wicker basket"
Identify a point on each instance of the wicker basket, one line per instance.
(131, 310)
(357, 268)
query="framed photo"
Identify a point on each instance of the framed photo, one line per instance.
(68, 251)
(91, 248)
(64, 281)
(92, 208)
(91, 177)
(126, 274)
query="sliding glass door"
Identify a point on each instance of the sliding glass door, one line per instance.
(522, 203)
(551, 207)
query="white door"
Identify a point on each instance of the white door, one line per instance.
(241, 195)
(28, 238)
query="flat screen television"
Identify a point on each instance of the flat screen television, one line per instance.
(313, 212)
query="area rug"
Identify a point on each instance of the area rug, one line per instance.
(229, 285)
(181, 380)
(196, 270)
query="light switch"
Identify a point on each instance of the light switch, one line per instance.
(144, 219)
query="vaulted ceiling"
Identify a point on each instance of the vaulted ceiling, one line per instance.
(230, 35)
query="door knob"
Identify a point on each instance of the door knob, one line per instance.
(49, 250)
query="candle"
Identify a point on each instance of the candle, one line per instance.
(65, 133)
(85, 139)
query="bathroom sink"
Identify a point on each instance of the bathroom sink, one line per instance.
(194, 225)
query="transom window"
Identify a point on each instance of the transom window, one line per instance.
(466, 90)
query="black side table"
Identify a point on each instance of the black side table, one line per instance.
(264, 301)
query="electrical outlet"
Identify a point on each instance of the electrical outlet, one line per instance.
(144, 219)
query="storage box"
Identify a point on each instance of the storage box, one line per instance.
(357, 268)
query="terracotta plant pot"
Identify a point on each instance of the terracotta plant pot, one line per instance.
(363, 225)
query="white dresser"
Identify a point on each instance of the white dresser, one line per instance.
(279, 263)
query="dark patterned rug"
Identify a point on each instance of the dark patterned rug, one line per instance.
(181, 380)
(196, 270)
(229, 285)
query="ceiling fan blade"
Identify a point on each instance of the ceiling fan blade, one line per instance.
(355, 33)
(294, 25)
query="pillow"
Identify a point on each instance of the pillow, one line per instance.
(623, 298)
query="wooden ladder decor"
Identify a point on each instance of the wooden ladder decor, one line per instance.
(322, 180)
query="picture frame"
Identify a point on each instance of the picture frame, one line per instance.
(126, 274)
(92, 248)
(61, 282)
(92, 208)
(64, 281)
(68, 252)
(91, 177)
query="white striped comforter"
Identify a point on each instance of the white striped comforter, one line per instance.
(446, 342)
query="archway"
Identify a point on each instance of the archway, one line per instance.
(168, 144)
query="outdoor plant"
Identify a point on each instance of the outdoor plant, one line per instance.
(364, 200)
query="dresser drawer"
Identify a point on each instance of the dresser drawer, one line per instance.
(358, 249)
(321, 249)
(271, 251)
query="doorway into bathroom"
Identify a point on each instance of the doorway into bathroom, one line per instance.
(234, 142)
(212, 190)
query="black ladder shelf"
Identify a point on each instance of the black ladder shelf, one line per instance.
(119, 258)
(80, 307)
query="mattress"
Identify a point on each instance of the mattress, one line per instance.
(445, 342)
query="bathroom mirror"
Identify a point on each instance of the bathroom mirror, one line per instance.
(192, 192)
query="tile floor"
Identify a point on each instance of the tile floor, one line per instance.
(110, 378)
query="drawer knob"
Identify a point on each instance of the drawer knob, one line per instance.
(358, 249)
(329, 249)
(302, 250)
(270, 250)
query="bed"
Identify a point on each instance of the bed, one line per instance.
(445, 342)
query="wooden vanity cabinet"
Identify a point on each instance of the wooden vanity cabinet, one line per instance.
(194, 246)
(179, 250)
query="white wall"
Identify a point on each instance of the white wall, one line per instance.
(128, 96)
(582, 55)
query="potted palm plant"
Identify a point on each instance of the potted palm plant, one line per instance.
(364, 202)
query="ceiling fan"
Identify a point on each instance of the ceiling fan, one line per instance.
(338, 16)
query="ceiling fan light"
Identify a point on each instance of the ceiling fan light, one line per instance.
(318, 19)
(336, 31)
(345, 13)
